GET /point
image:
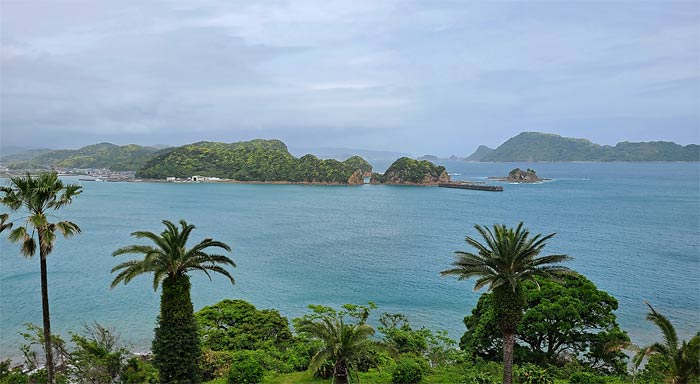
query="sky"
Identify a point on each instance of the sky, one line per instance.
(423, 77)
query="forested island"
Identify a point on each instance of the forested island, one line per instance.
(410, 171)
(255, 160)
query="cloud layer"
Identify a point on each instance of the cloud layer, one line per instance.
(423, 77)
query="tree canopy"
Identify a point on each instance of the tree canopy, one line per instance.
(562, 322)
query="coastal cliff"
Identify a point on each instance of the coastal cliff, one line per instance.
(412, 172)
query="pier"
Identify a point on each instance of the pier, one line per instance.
(473, 186)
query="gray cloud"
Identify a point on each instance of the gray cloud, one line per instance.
(437, 77)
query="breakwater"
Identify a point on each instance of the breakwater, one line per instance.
(473, 186)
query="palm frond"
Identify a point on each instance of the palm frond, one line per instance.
(169, 256)
(67, 228)
(667, 329)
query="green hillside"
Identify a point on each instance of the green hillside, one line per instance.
(256, 160)
(103, 155)
(535, 146)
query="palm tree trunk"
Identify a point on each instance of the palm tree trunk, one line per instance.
(340, 372)
(508, 345)
(45, 310)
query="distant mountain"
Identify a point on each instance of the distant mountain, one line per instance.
(17, 154)
(535, 146)
(255, 160)
(479, 154)
(345, 153)
(103, 155)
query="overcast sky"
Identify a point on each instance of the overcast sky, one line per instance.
(435, 77)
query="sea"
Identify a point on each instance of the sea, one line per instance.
(632, 228)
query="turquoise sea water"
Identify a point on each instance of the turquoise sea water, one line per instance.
(634, 230)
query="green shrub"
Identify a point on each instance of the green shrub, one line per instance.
(586, 378)
(14, 377)
(299, 353)
(247, 367)
(138, 371)
(532, 374)
(408, 370)
(10, 375)
(481, 378)
(215, 364)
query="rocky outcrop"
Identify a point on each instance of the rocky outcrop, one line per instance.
(517, 175)
(432, 180)
(358, 177)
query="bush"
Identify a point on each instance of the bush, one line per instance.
(247, 367)
(10, 375)
(586, 378)
(138, 371)
(215, 364)
(408, 370)
(532, 374)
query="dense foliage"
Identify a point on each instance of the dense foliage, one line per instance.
(535, 146)
(408, 370)
(236, 324)
(103, 155)
(176, 350)
(247, 367)
(562, 322)
(411, 171)
(256, 160)
(356, 162)
(233, 329)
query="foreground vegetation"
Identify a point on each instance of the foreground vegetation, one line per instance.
(243, 344)
(544, 322)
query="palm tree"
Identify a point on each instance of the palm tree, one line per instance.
(175, 345)
(683, 358)
(39, 196)
(343, 343)
(508, 258)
